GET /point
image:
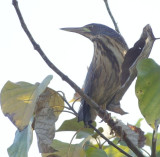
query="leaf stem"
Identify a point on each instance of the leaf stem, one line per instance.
(69, 106)
(154, 141)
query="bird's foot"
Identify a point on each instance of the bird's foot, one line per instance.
(106, 117)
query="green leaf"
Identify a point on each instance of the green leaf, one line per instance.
(74, 125)
(22, 142)
(118, 140)
(113, 152)
(83, 134)
(42, 86)
(100, 129)
(95, 152)
(69, 150)
(138, 124)
(147, 91)
(149, 142)
(158, 150)
(149, 139)
(18, 100)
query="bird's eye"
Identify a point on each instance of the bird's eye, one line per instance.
(90, 27)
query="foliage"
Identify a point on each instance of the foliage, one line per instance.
(21, 101)
(147, 91)
(36, 107)
(18, 101)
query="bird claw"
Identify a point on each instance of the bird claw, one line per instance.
(106, 117)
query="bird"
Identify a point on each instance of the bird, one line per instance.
(103, 78)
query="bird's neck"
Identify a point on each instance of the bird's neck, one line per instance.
(109, 48)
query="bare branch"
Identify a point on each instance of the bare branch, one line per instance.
(103, 114)
(111, 16)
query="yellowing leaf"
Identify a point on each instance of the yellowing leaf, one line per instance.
(148, 91)
(56, 102)
(49, 155)
(113, 152)
(18, 101)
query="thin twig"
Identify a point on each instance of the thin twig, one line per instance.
(65, 100)
(66, 107)
(146, 152)
(75, 102)
(93, 104)
(109, 142)
(65, 111)
(111, 16)
(69, 149)
(154, 141)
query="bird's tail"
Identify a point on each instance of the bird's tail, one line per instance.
(86, 114)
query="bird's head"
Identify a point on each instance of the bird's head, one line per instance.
(94, 31)
(90, 31)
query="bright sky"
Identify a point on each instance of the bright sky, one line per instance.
(70, 52)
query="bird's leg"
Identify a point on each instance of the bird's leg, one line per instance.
(105, 117)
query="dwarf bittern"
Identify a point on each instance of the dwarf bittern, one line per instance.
(103, 77)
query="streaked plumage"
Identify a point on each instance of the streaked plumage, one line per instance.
(103, 77)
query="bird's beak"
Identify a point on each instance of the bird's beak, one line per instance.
(79, 30)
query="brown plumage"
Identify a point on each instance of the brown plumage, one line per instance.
(103, 77)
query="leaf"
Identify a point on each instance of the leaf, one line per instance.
(95, 152)
(83, 134)
(18, 101)
(149, 139)
(118, 140)
(55, 101)
(46, 115)
(158, 150)
(149, 142)
(69, 150)
(95, 135)
(139, 51)
(141, 137)
(22, 142)
(74, 125)
(138, 124)
(49, 155)
(147, 91)
(113, 152)
(134, 134)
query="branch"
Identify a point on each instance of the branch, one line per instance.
(103, 114)
(111, 16)
(154, 141)
(109, 142)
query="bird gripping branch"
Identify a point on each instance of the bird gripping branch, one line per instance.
(104, 73)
